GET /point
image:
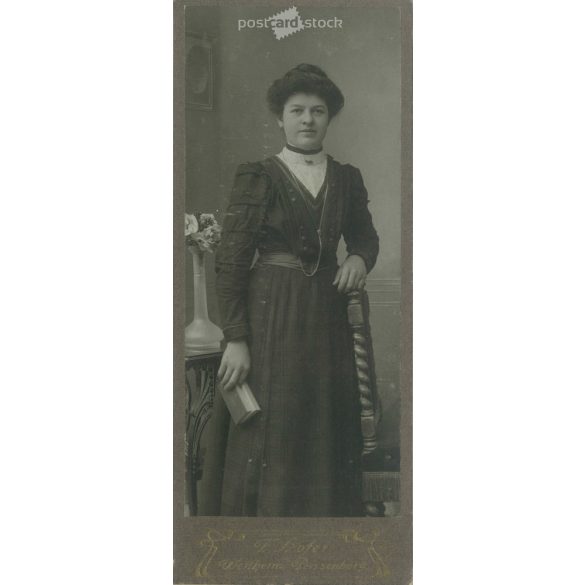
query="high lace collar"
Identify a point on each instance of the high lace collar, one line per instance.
(297, 158)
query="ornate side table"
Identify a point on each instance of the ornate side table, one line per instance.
(200, 379)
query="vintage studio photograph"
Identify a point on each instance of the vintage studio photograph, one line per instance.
(292, 152)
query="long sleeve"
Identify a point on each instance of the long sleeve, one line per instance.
(359, 232)
(241, 225)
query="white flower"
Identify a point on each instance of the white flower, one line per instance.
(191, 225)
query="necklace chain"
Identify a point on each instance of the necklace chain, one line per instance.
(299, 189)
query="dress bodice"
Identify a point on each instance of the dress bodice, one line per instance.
(269, 213)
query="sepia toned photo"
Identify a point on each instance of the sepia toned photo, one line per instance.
(292, 306)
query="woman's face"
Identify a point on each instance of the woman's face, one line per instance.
(305, 119)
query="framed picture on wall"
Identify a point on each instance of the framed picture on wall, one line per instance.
(198, 72)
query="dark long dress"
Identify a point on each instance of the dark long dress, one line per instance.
(301, 455)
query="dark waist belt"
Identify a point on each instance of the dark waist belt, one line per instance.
(288, 260)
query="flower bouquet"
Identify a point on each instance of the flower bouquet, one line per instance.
(202, 231)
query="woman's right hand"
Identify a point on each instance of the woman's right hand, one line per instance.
(235, 364)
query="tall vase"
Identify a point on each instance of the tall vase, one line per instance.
(201, 335)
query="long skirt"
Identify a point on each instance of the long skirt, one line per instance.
(301, 455)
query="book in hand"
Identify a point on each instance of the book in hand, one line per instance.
(240, 402)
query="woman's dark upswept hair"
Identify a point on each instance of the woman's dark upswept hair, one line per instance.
(304, 78)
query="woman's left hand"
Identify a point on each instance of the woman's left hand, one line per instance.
(351, 274)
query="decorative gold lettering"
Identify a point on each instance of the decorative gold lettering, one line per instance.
(249, 565)
(266, 544)
(292, 545)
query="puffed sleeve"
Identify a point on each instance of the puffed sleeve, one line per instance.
(241, 225)
(359, 233)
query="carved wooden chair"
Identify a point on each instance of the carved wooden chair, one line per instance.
(378, 484)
